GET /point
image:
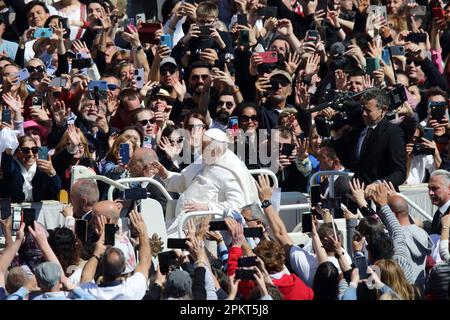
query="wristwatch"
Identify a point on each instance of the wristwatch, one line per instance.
(266, 204)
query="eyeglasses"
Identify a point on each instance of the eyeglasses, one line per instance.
(56, 94)
(196, 77)
(26, 150)
(32, 69)
(409, 62)
(178, 141)
(192, 126)
(169, 70)
(147, 122)
(253, 118)
(228, 104)
(112, 87)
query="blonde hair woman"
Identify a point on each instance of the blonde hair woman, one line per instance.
(114, 168)
(392, 275)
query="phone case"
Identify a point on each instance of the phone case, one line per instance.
(110, 231)
(23, 74)
(247, 261)
(28, 217)
(124, 151)
(43, 33)
(147, 32)
(256, 232)
(43, 153)
(267, 12)
(372, 64)
(166, 39)
(101, 85)
(306, 222)
(242, 19)
(269, 56)
(233, 123)
(6, 116)
(140, 18)
(428, 133)
(437, 111)
(5, 206)
(139, 77)
(439, 13)
(173, 243)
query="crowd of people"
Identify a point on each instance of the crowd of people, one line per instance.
(196, 100)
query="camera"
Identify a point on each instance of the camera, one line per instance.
(419, 149)
(153, 91)
(397, 97)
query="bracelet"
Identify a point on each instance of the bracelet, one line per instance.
(220, 240)
(96, 257)
(445, 227)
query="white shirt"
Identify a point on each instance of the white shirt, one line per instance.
(419, 165)
(132, 288)
(444, 208)
(28, 176)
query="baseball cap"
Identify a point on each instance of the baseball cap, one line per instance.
(48, 274)
(178, 284)
(217, 135)
(163, 93)
(282, 73)
(168, 60)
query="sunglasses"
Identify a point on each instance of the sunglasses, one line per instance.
(192, 126)
(178, 141)
(408, 62)
(36, 69)
(276, 83)
(228, 104)
(197, 77)
(169, 70)
(26, 150)
(112, 86)
(147, 122)
(248, 118)
(56, 94)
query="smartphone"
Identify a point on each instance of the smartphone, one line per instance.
(233, 123)
(217, 225)
(147, 32)
(110, 234)
(58, 82)
(81, 229)
(166, 39)
(372, 64)
(379, 11)
(244, 37)
(23, 74)
(397, 50)
(306, 222)
(43, 153)
(428, 133)
(5, 206)
(437, 110)
(416, 37)
(135, 194)
(287, 149)
(28, 217)
(130, 22)
(43, 33)
(6, 115)
(242, 19)
(164, 262)
(176, 243)
(81, 63)
(315, 195)
(245, 274)
(205, 31)
(256, 232)
(99, 87)
(322, 5)
(312, 35)
(36, 102)
(331, 203)
(140, 17)
(247, 261)
(438, 13)
(267, 12)
(17, 219)
(139, 77)
(385, 56)
(419, 11)
(124, 152)
(361, 264)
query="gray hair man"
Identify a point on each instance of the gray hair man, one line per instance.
(439, 193)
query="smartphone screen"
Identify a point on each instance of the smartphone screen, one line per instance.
(256, 232)
(110, 232)
(245, 274)
(217, 225)
(247, 261)
(176, 243)
(124, 151)
(164, 261)
(361, 264)
(5, 206)
(306, 222)
(28, 217)
(81, 229)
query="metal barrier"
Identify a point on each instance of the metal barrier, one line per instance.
(139, 179)
(422, 212)
(268, 172)
(193, 214)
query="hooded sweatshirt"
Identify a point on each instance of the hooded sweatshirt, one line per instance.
(419, 245)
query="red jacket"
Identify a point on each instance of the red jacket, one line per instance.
(291, 286)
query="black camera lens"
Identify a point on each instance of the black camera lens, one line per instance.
(138, 79)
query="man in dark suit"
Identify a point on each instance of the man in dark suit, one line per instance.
(439, 193)
(377, 151)
(141, 166)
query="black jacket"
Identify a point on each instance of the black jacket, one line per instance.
(383, 154)
(44, 187)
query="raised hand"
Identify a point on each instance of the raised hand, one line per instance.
(138, 223)
(46, 166)
(301, 95)
(170, 150)
(302, 148)
(293, 62)
(380, 194)
(340, 79)
(74, 136)
(81, 47)
(264, 188)
(60, 113)
(357, 190)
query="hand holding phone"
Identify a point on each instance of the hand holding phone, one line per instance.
(43, 153)
(81, 229)
(28, 217)
(110, 234)
(249, 261)
(6, 116)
